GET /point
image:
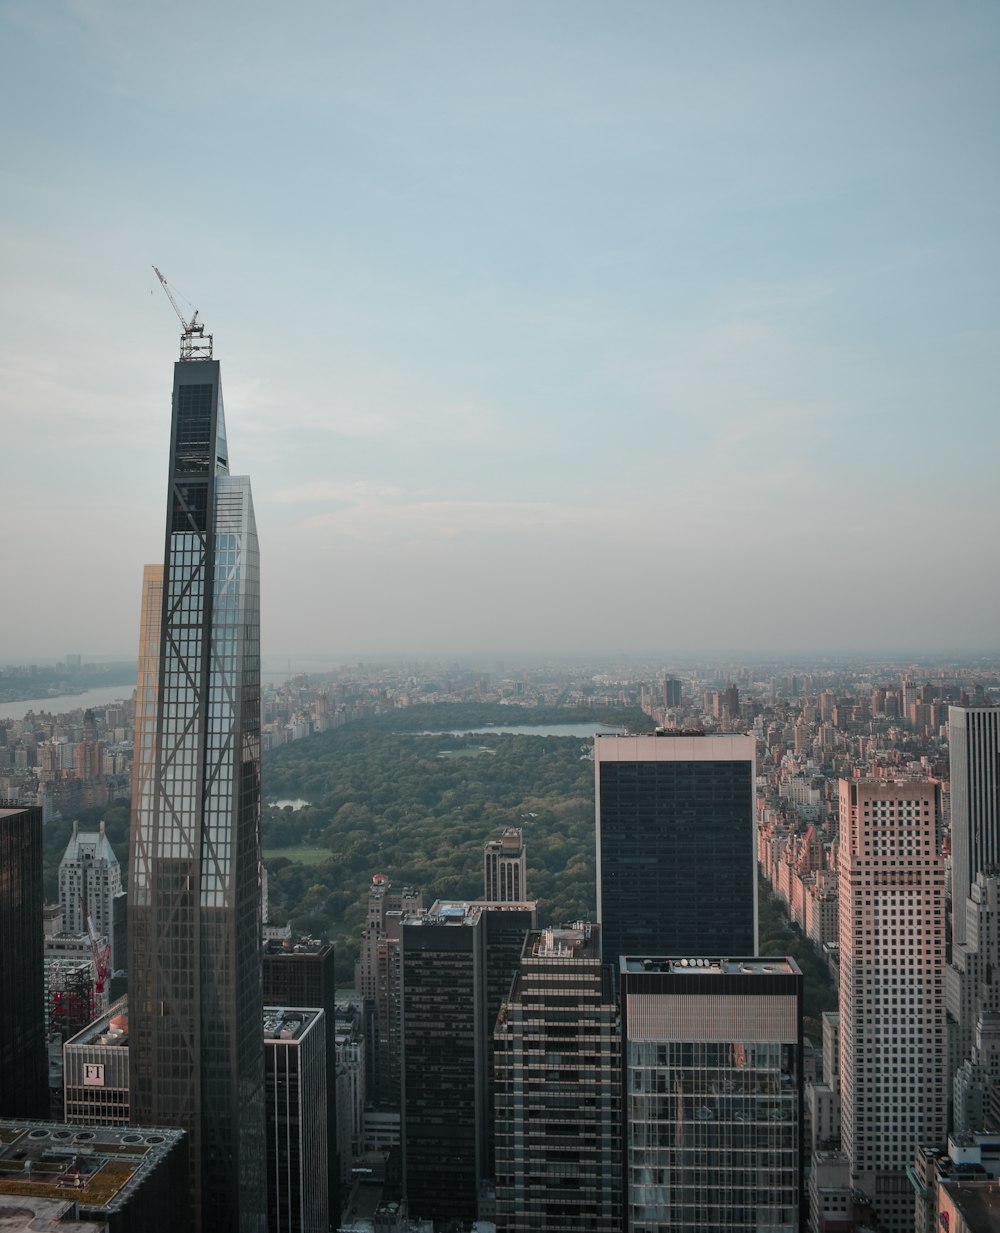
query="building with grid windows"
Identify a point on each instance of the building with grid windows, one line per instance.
(194, 897)
(558, 1090)
(712, 1094)
(892, 1011)
(676, 844)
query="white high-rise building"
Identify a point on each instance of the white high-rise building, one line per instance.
(892, 1013)
(89, 871)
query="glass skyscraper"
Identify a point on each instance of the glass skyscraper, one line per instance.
(676, 836)
(712, 1094)
(194, 889)
(974, 757)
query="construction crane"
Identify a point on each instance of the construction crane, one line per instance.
(100, 955)
(190, 330)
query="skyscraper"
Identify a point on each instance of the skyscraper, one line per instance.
(377, 979)
(712, 1094)
(972, 998)
(458, 961)
(676, 847)
(89, 874)
(295, 1056)
(558, 1090)
(974, 756)
(23, 1062)
(892, 1019)
(194, 891)
(303, 974)
(505, 868)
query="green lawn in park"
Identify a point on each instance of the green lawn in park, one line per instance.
(299, 856)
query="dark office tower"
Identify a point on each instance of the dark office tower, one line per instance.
(974, 740)
(295, 1100)
(712, 1093)
(443, 1080)
(455, 959)
(558, 1090)
(24, 1086)
(507, 924)
(302, 973)
(505, 867)
(194, 890)
(676, 860)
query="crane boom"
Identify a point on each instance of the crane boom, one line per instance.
(101, 956)
(190, 350)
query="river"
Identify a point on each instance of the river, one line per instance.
(104, 695)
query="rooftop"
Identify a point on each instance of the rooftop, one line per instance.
(978, 1203)
(97, 1166)
(580, 941)
(464, 912)
(110, 1029)
(767, 965)
(296, 946)
(33, 1215)
(288, 1022)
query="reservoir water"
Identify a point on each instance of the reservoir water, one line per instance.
(583, 731)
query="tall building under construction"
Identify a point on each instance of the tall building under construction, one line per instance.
(194, 892)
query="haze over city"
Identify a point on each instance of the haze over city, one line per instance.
(566, 326)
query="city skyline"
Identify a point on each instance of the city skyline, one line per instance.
(517, 297)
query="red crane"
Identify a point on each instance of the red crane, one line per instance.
(101, 956)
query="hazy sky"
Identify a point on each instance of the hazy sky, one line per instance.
(543, 325)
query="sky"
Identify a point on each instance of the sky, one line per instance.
(552, 325)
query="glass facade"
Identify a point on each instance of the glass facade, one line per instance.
(443, 1083)
(677, 871)
(558, 1083)
(194, 892)
(713, 1091)
(457, 964)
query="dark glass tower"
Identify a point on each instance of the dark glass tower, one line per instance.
(676, 852)
(712, 1094)
(194, 888)
(974, 741)
(24, 1090)
(458, 961)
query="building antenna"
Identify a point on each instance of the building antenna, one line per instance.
(191, 330)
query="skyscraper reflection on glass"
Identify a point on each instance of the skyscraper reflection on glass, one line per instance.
(194, 890)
